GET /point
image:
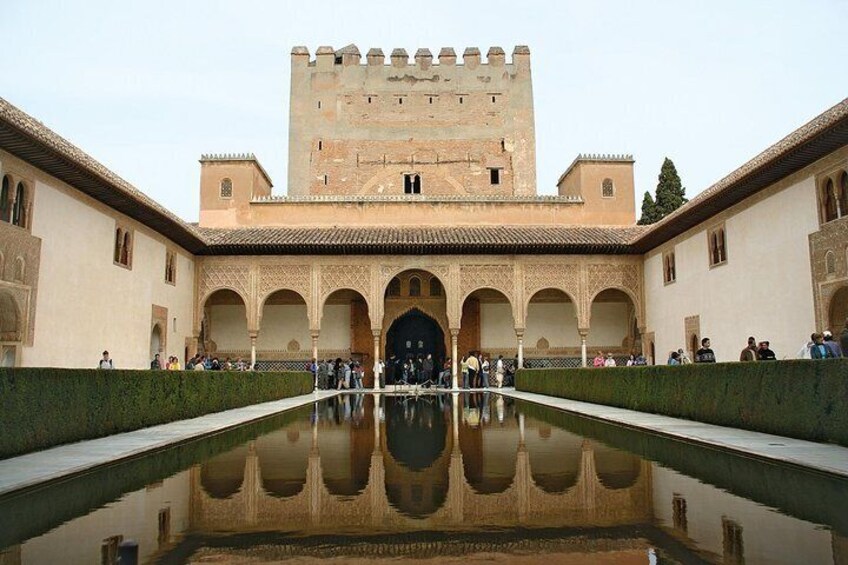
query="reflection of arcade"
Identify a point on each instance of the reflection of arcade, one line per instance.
(435, 462)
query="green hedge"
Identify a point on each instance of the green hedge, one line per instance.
(42, 407)
(802, 399)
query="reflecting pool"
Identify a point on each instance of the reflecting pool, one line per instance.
(475, 477)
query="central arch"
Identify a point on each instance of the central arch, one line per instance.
(415, 333)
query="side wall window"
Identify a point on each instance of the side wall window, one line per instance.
(123, 252)
(717, 246)
(19, 207)
(607, 189)
(5, 204)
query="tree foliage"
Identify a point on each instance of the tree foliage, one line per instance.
(670, 195)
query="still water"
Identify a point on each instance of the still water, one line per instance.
(473, 477)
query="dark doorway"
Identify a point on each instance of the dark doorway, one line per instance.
(414, 334)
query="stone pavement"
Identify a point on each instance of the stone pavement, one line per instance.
(65, 460)
(824, 457)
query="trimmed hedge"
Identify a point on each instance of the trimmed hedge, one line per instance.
(802, 399)
(42, 407)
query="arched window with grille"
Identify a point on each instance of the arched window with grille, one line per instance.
(226, 188)
(19, 207)
(414, 286)
(126, 250)
(435, 287)
(830, 263)
(607, 189)
(5, 206)
(718, 246)
(394, 287)
(831, 211)
(843, 194)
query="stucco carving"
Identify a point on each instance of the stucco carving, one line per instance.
(353, 277)
(498, 277)
(19, 274)
(217, 276)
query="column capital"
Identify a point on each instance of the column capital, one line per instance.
(376, 333)
(315, 334)
(253, 334)
(454, 332)
(519, 332)
(583, 332)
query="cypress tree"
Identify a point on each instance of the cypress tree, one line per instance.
(649, 210)
(671, 194)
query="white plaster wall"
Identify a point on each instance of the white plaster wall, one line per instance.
(608, 326)
(86, 303)
(135, 516)
(335, 327)
(555, 321)
(282, 323)
(763, 290)
(229, 327)
(767, 535)
(497, 330)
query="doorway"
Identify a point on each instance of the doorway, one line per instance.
(413, 334)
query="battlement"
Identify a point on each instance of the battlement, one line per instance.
(326, 56)
(223, 158)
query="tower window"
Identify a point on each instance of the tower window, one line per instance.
(411, 183)
(461, 99)
(607, 188)
(326, 179)
(493, 100)
(495, 176)
(431, 100)
(226, 188)
(319, 104)
(320, 145)
(369, 99)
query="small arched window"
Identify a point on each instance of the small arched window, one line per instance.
(830, 207)
(5, 205)
(18, 208)
(414, 286)
(20, 270)
(843, 193)
(718, 246)
(119, 243)
(394, 287)
(607, 188)
(435, 287)
(830, 263)
(226, 188)
(126, 249)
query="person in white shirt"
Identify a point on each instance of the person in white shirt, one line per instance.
(609, 362)
(499, 371)
(379, 366)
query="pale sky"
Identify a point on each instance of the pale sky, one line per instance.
(146, 87)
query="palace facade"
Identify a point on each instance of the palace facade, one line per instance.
(412, 225)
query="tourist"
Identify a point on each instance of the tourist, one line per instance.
(640, 361)
(473, 370)
(379, 367)
(843, 339)
(484, 372)
(214, 365)
(750, 351)
(324, 374)
(227, 365)
(199, 363)
(499, 372)
(427, 369)
(598, 361)
(805, 351)
(683, 358)
(609, 361)
(156, 363)
(832, 344)
(342, 375)
(674, 358)
(446, 373)
(819, 349)
(705, 354)
(464, 369)
(105, 362)
(764, 353)
(313, 368)
(358, 372)
(631, 360)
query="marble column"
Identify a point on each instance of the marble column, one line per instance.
(519, 333)
(584, 356)
(376, 335)
(253, 336)
(454, 361)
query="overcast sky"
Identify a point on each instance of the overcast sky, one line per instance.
(146, 87)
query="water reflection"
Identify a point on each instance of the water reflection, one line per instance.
(383, 468)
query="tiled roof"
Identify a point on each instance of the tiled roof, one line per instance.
(421, 240)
